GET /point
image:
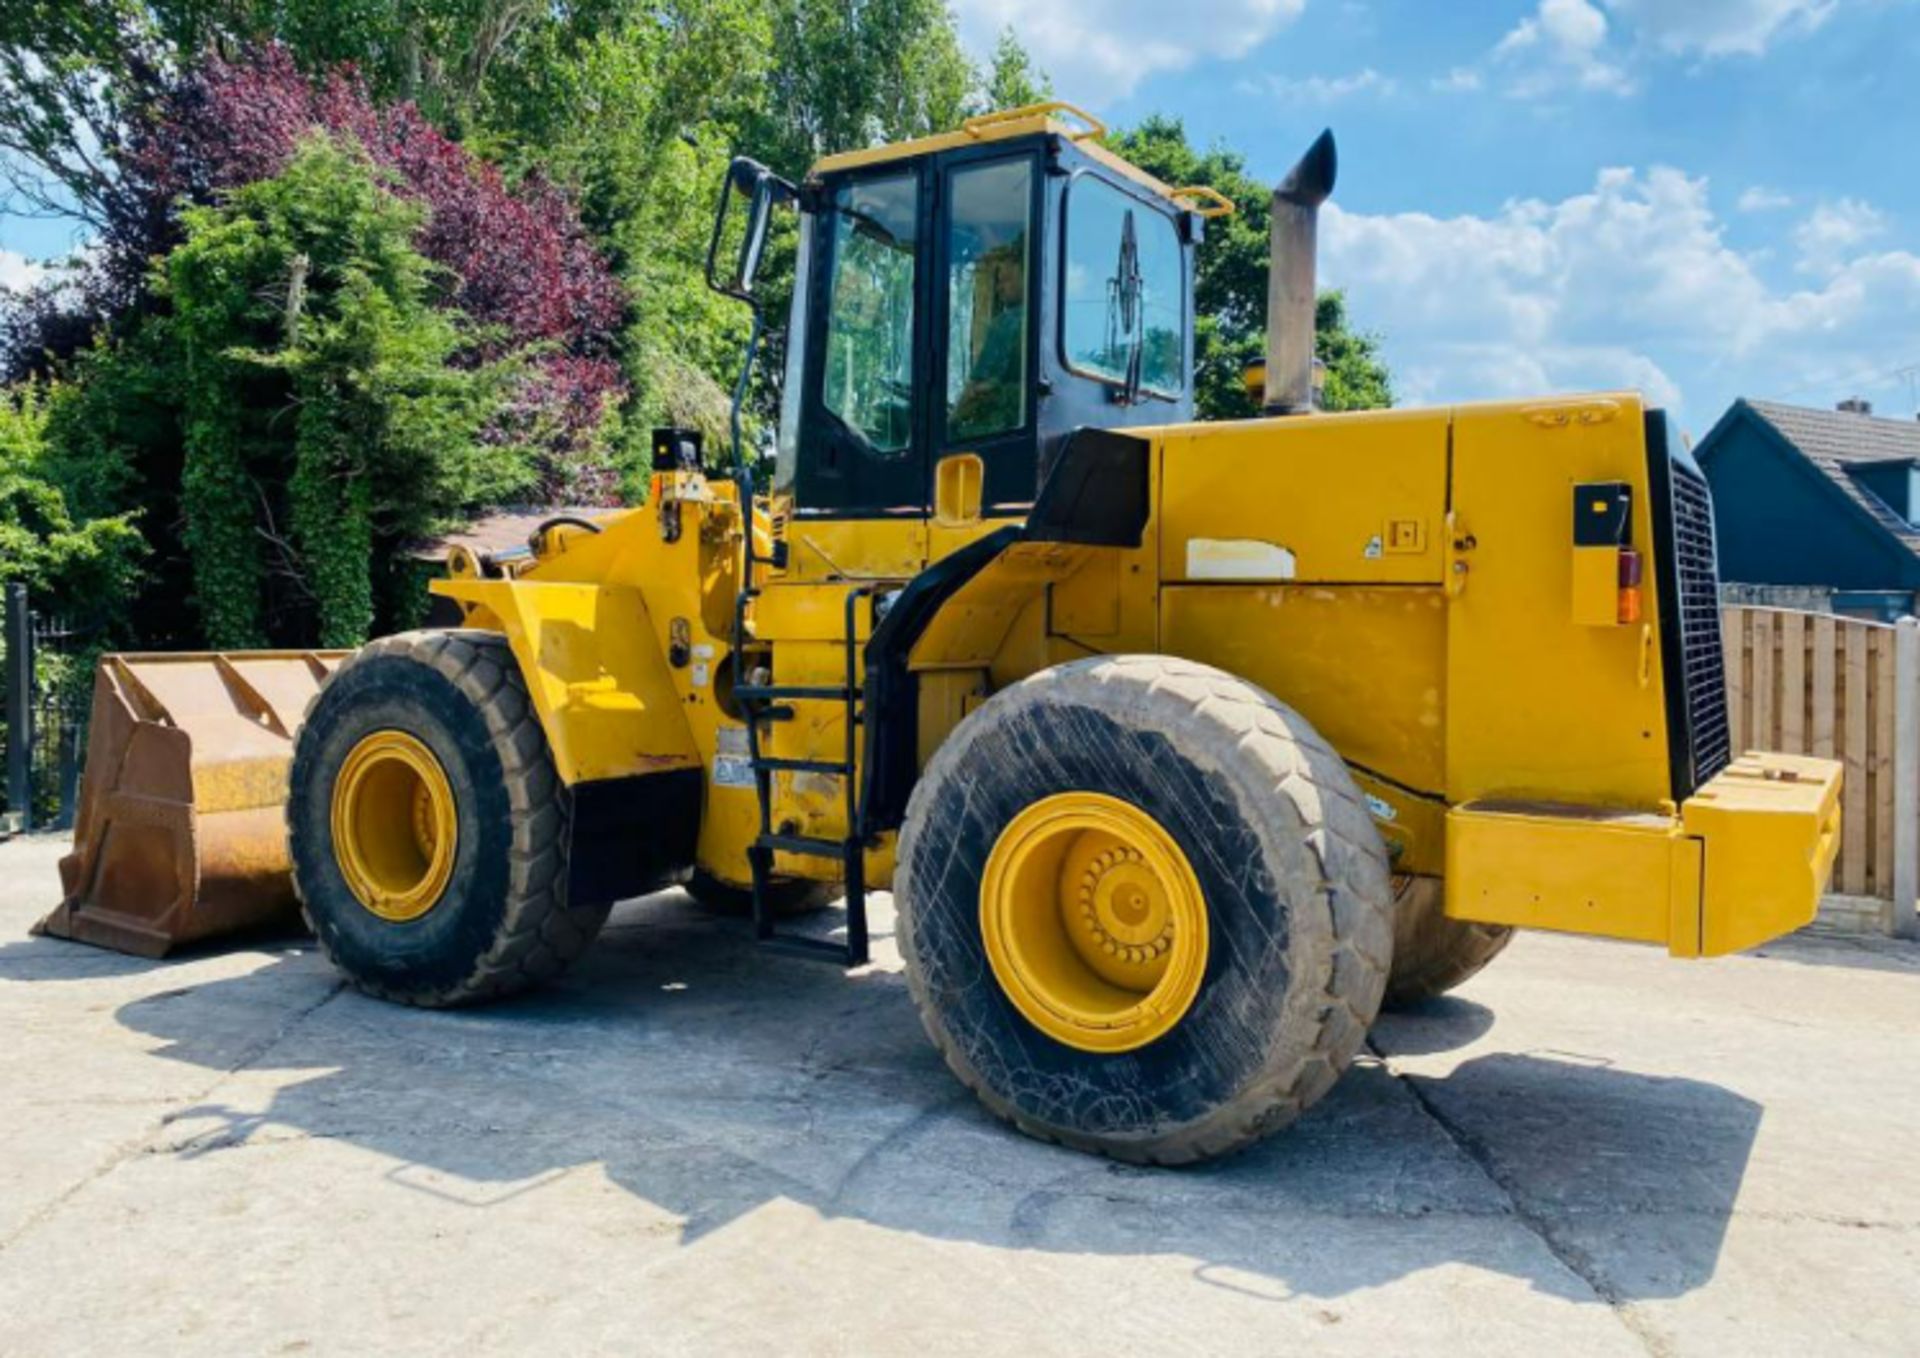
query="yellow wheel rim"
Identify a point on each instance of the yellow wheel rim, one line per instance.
(1094, 922)
(394, 825)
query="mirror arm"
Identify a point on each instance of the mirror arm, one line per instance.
(742, 473)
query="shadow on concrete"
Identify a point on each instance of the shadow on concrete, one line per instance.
(1861, 952)
(1443, 1024)
(711, 1079)
(57, 959)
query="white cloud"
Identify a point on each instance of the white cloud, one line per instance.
(1460, 80)
(1098, 51)
(1319, 89)
(17, 272)
(1719, 28)
(1630, 284)
(1835, 231)
(1563, 45)
(1760, 198)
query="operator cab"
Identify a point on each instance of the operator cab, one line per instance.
(985, 292)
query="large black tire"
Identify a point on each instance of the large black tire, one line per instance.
(502, 923)
(1431, 953)
(1297, 895)
(785, 899)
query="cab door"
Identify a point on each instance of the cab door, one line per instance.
(863, 442)
(986, 321)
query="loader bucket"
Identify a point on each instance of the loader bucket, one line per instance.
(180, 834)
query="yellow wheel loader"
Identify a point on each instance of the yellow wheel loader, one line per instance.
(1180, 745)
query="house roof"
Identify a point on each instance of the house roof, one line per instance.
(504, 529)
(1835, 440)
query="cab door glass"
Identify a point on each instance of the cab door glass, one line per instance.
(1095, 334)
(867, 379)
(988, 235)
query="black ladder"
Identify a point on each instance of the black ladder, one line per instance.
(764, 703)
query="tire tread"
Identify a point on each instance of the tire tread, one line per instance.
(540, 933)
(1431, 953)
(1353, 942)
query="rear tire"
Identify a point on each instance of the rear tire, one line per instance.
(785, 899)
(501, 923)
(1431, 953)
(1292, 879)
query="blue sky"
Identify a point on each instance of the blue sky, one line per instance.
(1700, 198)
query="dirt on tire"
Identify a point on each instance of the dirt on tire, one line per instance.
(1431, 953)
(511, 926)
(1297, 890)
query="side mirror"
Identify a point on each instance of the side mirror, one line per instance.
(750, 188)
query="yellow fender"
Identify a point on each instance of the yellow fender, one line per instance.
(595, 671)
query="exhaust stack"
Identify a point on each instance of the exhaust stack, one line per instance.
(1291, 293)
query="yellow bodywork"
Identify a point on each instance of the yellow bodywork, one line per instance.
(1745, 861)
(1464, 601)
(597, 674)
(1404, 579)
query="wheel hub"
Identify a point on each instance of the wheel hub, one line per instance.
(1123, 909)
(1094, 921)
(395, 825)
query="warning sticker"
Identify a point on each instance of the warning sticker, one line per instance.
(732, 771)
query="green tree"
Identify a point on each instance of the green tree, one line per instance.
(1230, 293)
(83, 567)
(1013, 80)
(637, 115)
(327, 418)
(71, 71)
(1357, 377)
(75, 74)
(845, 76)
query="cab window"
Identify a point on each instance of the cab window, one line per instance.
(989, 229)
(867, 379)
(1098, 328)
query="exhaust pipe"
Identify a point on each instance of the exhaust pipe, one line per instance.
(1291, 293)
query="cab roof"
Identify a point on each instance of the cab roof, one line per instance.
(1079, 127)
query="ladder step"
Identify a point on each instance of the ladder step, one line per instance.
(803, 766)
(807, 844)
(827, 692)
(772, 713)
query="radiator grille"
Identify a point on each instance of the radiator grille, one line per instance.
(1703, 663)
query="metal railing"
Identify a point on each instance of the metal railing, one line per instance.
(47, 682)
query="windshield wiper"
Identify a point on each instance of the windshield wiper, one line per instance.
(1125, 298)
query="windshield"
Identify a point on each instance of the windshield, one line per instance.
(1099, 319)
(868, 375)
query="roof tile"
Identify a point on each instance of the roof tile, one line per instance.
(1832, 440)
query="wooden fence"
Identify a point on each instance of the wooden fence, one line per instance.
(1814, 683)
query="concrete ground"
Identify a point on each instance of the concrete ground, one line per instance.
(687, 1146)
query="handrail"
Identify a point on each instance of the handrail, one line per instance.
(983, 122)
(1211, 202)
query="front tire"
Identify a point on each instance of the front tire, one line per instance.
(1248, 889)
(428, 828)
